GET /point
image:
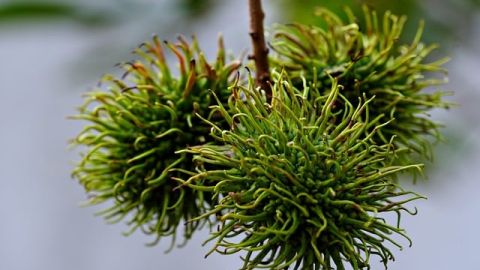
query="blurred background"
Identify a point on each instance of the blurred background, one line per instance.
(53, 51)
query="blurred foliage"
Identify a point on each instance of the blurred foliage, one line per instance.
(90, 13)
(195, 7)
(34, 10)
(444, 17)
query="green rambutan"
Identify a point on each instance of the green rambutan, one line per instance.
(136, 126)
(369, 59)
(299, 181)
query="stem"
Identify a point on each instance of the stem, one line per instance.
(260, 50)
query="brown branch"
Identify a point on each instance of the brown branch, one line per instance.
(260, 50)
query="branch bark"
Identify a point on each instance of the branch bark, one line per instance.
(260, 50)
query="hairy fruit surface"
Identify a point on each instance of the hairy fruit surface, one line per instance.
(136, 126)
(369, 58)
(299, 181)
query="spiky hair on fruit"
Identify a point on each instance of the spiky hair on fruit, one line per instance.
(136, 126)
(370, 59)
(297, 188)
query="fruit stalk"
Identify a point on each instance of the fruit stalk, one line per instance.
(260, 50)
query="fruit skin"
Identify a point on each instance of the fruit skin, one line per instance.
(368, 58)
(134, 129)
(296, 190)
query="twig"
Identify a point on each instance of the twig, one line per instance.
(260, 50)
